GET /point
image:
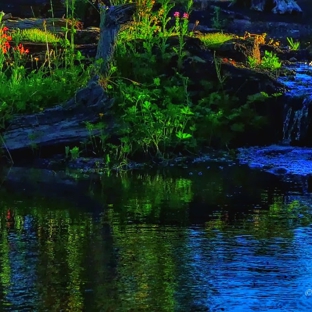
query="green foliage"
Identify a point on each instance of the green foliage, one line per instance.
(270, 61)
(252, 62)
(294, 45)
(155, 113)
(155, 117)
(215, 40)
(26, 86)
(33, 92)
(34, 35)
(149, 33)
(74, 152)
(221, 117)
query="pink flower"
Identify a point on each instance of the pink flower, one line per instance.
(185, 15)
(176, 14)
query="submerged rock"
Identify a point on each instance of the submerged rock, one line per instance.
(278, 159)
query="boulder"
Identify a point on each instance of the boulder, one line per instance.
(286, 6)
(276, 6)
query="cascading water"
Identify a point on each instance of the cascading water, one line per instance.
(286, 159)
(297, 114)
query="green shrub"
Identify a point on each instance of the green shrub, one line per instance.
(294, 45)
(270, 61)
(215, 40)
(34, 35)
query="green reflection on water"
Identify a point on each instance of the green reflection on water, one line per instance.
(122, 257)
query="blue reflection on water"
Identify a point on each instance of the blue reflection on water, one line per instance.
(244, 274)
(21, 292)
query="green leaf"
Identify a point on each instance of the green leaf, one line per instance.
(147, 105)
(132, 110)
(157, 82)
(186, 111)
(182, 135)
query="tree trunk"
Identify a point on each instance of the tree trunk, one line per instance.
(106, 45)
(111, 20)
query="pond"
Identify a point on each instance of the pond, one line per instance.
(216, 237)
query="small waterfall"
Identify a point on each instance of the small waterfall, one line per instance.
(297, 120)
(297, 125)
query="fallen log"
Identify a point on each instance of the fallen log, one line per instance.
(65, 124)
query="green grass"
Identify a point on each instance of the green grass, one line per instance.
(34, 35)
(215, 40)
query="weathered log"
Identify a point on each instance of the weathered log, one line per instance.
(52, 24)
(65, 124)
(61, 124)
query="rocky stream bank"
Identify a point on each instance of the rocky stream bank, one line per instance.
(90, 101)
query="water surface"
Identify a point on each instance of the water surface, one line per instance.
(212, 238)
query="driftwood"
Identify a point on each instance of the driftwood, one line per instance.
(62, 124)
(51, 24)
(65, 124)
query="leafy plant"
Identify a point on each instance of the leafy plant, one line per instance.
(31, 89)
(221, 118)
(252, 62)
(154, 117)
(270, 61)
(74, 152)
(181, 28)
(294, 45)
(155, 113)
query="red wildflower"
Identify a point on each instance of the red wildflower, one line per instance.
(21, 49)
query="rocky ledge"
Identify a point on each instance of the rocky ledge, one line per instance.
(278, 159)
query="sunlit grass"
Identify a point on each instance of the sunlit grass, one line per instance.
(35, 35)
(214, 40)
